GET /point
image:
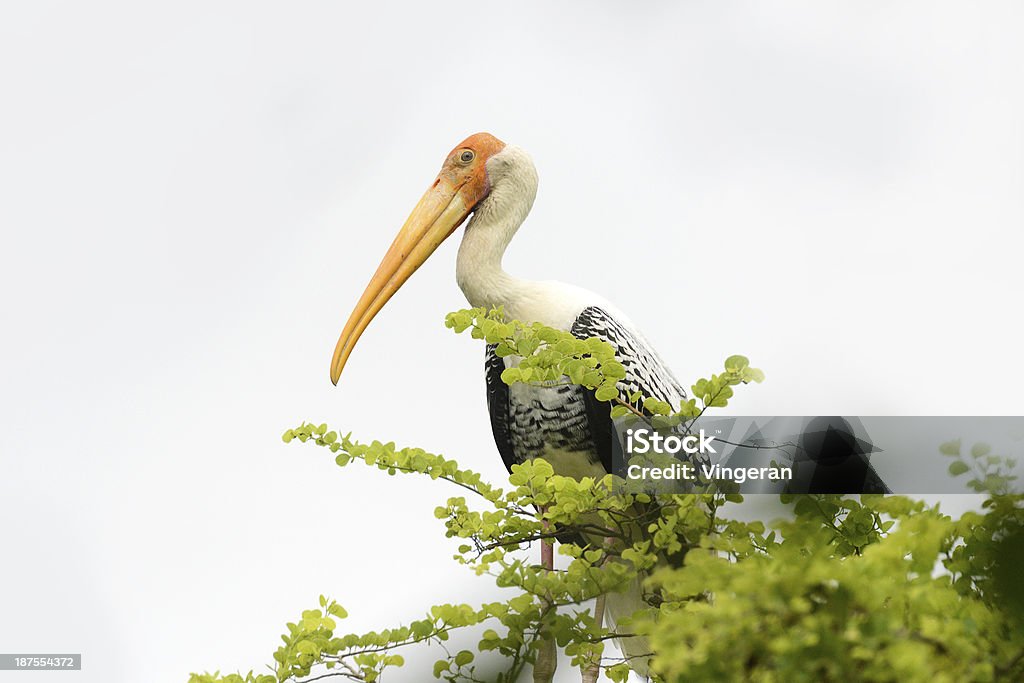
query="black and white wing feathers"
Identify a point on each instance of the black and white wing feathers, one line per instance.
(645, 373)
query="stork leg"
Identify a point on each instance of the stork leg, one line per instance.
(593, 669)
(547, 654)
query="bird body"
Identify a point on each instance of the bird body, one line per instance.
(558, 421)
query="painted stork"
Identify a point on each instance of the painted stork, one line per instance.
(564, 424)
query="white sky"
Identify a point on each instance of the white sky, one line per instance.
(193, 195)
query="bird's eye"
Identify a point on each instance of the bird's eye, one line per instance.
(466, 156)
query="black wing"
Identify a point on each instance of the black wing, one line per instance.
(645, 372)
(498, 406)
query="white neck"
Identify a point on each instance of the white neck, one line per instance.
(493, 225)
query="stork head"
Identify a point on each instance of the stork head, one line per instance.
(460, 186)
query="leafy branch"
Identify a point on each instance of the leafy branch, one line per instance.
(880, 588)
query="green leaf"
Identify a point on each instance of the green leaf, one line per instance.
(753, 375)
(613, 369)
(736, 363)
(958, 467)
(511, 375)
(950, 447)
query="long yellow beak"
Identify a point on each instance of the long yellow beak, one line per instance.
(442, 209)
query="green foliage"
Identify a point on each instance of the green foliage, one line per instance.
(873, 588)
(881, 590)
(990, 472)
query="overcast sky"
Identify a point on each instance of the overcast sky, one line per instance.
(193, 195)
